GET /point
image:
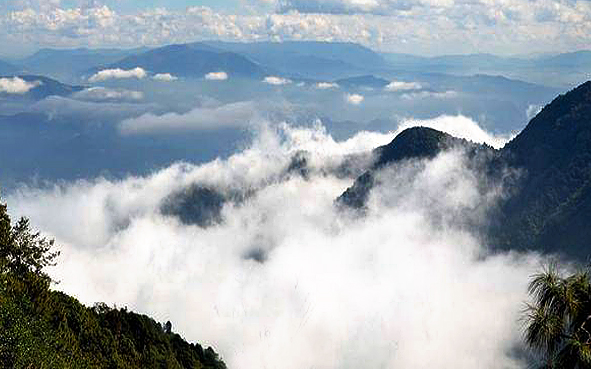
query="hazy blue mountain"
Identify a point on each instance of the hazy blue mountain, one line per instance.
(309, 59)
(44, 87)
(69, 63)
(578, 59)
(368, 81)
(566, 69)
(498, 85)
(192, 60)
(7, 68)
(455, 64)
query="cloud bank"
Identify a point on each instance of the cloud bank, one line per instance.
(429, 95)
(406, 286)
(17, 85)
(107, 94)
(236, 115)
(118, 73)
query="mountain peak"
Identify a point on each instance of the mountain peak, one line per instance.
(415, 142)
(412, 143)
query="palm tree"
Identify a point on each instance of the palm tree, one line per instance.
(558, 321)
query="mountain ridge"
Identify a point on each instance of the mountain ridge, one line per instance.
(199, 59)
(549, 209)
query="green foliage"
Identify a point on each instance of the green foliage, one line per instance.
(558, 322)
(40, 328)
(552, 210)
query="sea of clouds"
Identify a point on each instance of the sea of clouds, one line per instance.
(407, 285)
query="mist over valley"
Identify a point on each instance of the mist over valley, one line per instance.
(289, 203)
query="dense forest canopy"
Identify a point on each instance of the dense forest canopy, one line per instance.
(42, 328)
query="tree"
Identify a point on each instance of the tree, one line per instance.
(23, 251)
(558, 321)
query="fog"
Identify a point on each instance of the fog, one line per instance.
(407, 285)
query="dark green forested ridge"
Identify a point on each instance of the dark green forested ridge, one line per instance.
(41, 328)
(552, 211)
(412, 143)
(549, 208)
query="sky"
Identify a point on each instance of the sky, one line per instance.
(425, 27)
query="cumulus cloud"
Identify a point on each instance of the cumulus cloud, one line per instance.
(277, 81)
(403, 86)
(165, 77)
(216, 76)
(354, 99)
(108, 94)
(17, 85)
(403, 287)
(542, 25)
(237, 114)
(330, 6)
(118, 73)
(326, 85)
(458, 126)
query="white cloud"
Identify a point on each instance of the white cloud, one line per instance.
(354, 99)
(499, 26)
(330, 6)
(429, 94)
(108, 94)
(532, 111)
(458, 126)
(91, 110)
(326, 85)
(404, 287)
(118, 73)
(216, 76)
(277, 81)
(238, 114)
(17, 85)
(403, 86)
(165, 77)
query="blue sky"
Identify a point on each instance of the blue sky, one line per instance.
(426, 27)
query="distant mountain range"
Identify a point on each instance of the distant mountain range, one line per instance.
(550, 206)
(309, 59)
(191, 60)
(299, 60)
(557, 70)
(65, 64)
